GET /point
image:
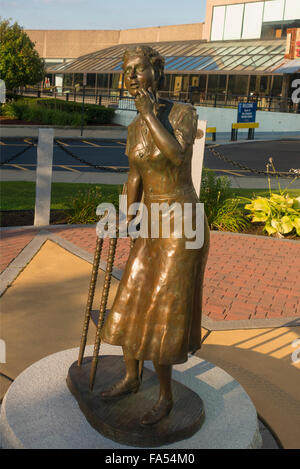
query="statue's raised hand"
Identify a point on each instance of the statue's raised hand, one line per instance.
(144, 102)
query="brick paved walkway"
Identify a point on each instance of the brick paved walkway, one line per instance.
(247, 277)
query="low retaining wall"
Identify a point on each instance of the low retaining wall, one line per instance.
(222, 119)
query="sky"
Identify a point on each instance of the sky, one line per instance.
(101, 14)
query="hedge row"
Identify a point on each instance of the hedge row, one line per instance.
(94, 114)
(32, 112)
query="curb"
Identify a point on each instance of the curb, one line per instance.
(65, 127)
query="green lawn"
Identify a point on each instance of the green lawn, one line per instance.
(261, 192)
(21, 195)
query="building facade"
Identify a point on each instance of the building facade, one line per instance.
(245, 48)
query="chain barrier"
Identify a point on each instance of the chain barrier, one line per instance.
(8, 160)
(294, 172)
(87, 163)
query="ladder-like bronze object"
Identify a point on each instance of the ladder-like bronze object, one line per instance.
(98, 319)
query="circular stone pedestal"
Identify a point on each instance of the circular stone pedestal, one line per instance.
(39, 411)
(120, 419)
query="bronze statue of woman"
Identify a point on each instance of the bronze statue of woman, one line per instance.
(156, 314)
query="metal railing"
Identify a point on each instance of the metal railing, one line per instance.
(120, 99)
(223, 100)
(117, 99)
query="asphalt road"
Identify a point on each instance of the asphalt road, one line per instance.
(111, 153)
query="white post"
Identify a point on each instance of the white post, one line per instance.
(43, 177)
(2, 92)
(198, 155)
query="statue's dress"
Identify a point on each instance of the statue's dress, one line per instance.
(157, 310)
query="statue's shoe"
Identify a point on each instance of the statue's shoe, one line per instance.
(121, 388)
(161, 409)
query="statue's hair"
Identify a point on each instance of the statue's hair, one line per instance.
(156, 60)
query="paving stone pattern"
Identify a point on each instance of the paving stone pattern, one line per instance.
(247, 277)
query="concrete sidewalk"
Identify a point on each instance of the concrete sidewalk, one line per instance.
(120, 132)
(97, 177)
(105, 131)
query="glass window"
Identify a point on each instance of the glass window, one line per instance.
(205, 65)
(203, 60)
(78, 79)
(233, 22)
(252, 87)
(91, 80)
(103, 80)
(217, 24)
(212, 83)
(198, 82)
(212, 66)
(292, 10)
(253, 20)
(68, 80)
(185, 84)
(176, 64)
(274, 10)
(189, 64)
(216, 83)
(238, 84)
(264, 84)
(167, 82)
(116, 81)
(202, 82)
(236, 62)
(118, 66)
(277, 86)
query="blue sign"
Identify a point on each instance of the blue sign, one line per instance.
(247, 112)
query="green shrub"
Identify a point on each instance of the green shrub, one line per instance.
(30, 111)
(16, 110)
(223, 212)
(279, 213)
(56, 111)
(230, 217)
(214, 191)
(94, 114)
(82, 207)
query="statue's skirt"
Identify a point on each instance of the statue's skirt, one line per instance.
(156, 313)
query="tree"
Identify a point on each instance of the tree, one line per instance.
(20, 63)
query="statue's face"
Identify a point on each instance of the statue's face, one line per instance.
(138, 74)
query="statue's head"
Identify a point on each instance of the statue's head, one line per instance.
(143, 68)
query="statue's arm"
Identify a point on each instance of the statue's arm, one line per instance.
(165, 141)
(134, 188)
(170, 146)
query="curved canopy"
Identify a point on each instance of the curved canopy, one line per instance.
(256, 56)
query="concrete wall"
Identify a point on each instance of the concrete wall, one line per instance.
(70, 44)
(209, 10)
(124, 117)
(180, 32)
(268, 121)
(223, 118)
